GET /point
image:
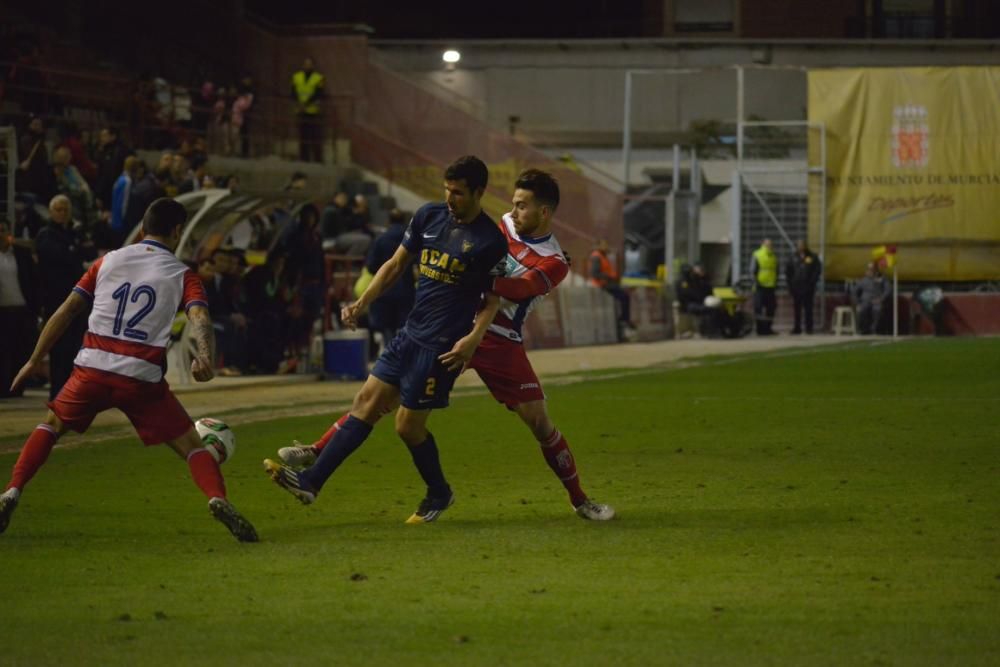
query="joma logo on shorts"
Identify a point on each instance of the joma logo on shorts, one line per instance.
(530, 385)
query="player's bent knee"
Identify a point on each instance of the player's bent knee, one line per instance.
(375, 400)
(186, 443)
(411, 427)
(535, 417)
(52, 420)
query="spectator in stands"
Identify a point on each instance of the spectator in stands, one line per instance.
(62, 256)
(388, 312)
(201, 108)
(335, 219)
(33, 173)
(305, 272)
(218, 133)
(298, 182)
(69, 136)
(240, 117)
(180, 170)
(870, 294)
(18, 308)
(307, 91)
(603, 274)
(146, 188)
(120, 198)
(181, 98)
(111, 156)
(195, 177)
(764, 271)
(27, 221)
(355, 235)
(802, 271)
(267, 297)
(71, 183)
(228, 320)
(230, 182)
(694, 294)
(163, 107)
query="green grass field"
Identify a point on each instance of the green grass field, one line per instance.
(838, 507)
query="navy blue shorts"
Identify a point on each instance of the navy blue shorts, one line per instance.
(424, 383)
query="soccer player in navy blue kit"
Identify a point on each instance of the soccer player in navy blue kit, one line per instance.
(459, 250)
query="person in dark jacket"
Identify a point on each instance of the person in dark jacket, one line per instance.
(802, 271)
(387, 313)
(692, 290)
(266, 298)
(110, 164)
(62, 254)
(18, 308)
(34, 174)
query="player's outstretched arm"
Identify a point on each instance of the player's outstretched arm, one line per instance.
(465, 347)
(53, 330)
(201, 322)
(384, 278)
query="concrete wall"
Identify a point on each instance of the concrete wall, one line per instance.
(559, 89)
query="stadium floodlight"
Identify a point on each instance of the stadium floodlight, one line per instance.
(451, 56)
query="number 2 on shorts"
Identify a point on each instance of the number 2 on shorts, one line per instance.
(429, 390)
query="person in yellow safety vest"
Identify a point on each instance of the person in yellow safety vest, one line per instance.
(307, 91)
(603, 274)
(764, 269)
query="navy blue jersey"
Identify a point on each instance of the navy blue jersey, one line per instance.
(457, 263)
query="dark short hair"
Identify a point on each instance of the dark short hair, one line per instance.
(541, 184)
(162, 216)
(470, 169)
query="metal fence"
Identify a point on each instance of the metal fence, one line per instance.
(780, 182)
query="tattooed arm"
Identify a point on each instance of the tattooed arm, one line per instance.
(201, 323)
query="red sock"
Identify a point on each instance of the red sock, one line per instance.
(321, 443)
(555, 449)
(206, 474)
(34, 453)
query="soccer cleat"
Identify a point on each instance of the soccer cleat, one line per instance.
(229, 516)
(8, 503)
(588, 509)
(430, 509)
(298, 455)
(288, 479)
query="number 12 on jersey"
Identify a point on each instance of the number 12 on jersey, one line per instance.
(121, 295)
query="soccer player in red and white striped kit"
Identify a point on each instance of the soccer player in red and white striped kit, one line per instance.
(136, 291)
(535, 265)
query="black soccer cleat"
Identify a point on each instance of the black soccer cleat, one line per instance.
(430, 509)
(229, 516)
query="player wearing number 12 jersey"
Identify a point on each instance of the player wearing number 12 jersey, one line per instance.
(135, 292)
(535, 264)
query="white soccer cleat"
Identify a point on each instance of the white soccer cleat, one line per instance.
(592, 511)
(297, 455)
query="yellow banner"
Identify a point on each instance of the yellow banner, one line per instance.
(913, 160)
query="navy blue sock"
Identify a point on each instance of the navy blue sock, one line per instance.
(352, 433)
(425, 457)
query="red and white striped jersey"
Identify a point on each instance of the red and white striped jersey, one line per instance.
(540, 260)
(136, 292)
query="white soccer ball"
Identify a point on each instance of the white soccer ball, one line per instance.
(217, 437)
